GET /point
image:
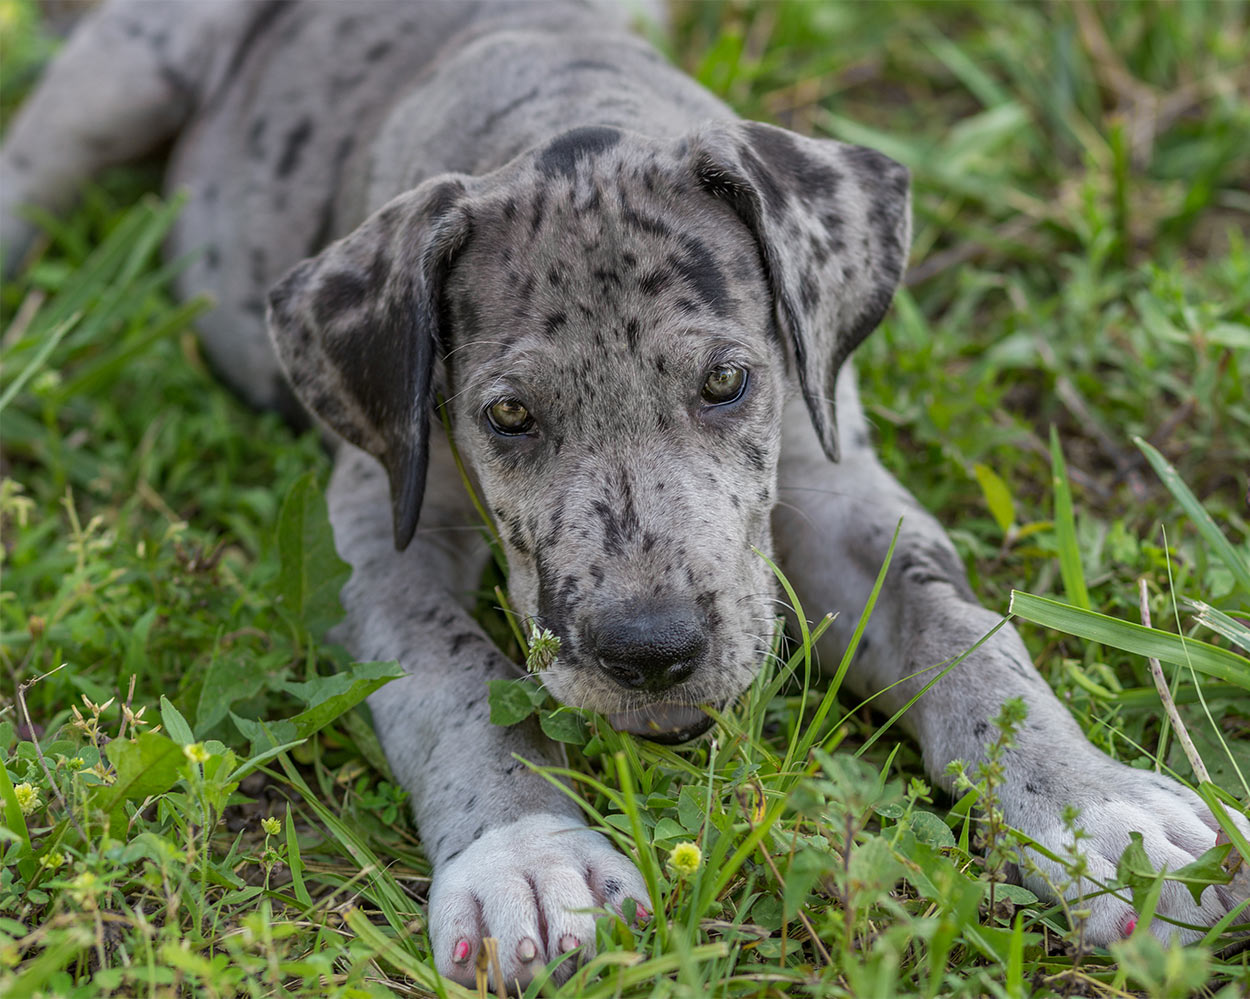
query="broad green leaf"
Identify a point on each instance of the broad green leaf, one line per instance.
(997, 496)
(691, 811)
(1129, 637)
(564, 725)
(930, 829)
(328, 697)
(312, 572)
(265, 735)
(136, 661)
(1065, 528)
(1211, 534)
(1206, 870)
(509, 702)
(805, 870)
(14, 820)
(174, 723)
(230, 678)
(149, 765)
(875, 868)
(668, 829)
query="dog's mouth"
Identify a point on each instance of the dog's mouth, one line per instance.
(665, 723)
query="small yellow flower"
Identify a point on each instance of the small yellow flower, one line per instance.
(685, 859)
(83, 889)
(52, 860)
(195, 752)
(271, 826)
(27, 798)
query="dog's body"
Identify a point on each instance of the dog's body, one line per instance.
(637, 309)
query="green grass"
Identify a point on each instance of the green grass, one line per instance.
(1082, 198)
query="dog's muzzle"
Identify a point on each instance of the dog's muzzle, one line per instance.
(651, 646)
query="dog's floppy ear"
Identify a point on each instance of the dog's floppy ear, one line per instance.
(356, 328)
(833, 223)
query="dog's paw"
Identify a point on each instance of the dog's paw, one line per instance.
(1115, 800)
(528, 884)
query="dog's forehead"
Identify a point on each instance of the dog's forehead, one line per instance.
(606, 239)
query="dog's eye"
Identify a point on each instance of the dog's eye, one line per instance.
(508, 416)
(725, 383)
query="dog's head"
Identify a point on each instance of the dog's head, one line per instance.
(614, 322)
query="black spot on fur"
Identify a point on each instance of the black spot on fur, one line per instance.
(378, 51)
(554, 322)
(293, 147)
(811, 179)
(563, 153)
(499, 114)
(653, 282)
(699, 270)
(338, 292)
(584, 65)
(256, 138)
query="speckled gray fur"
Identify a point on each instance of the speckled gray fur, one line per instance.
(529, 203)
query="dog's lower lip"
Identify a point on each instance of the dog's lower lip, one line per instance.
(666, 723)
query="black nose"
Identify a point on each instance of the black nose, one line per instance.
(649, 645)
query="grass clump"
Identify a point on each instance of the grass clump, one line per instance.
(193, 801)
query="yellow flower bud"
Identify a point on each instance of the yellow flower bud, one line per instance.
(195, 752)
(685, 859)
(27, 798)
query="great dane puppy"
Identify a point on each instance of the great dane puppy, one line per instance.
(639, 311)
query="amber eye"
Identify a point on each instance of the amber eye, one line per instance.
(508, 416)
(725, 383)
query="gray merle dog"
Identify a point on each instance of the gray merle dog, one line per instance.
(639, 310)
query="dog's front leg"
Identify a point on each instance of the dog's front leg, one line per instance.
(833, 528)
(512, 856)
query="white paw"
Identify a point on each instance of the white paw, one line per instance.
(527, 884)
(1176, 829)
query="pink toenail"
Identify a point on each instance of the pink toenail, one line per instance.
(1130, 927)
(526, 951)
(461, 953)
(568, 942)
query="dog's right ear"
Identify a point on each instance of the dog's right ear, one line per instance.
(356, 329)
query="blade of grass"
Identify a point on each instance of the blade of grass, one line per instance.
(1201, 520)
(294, 862)
(1221, 623)
(1166, 647)
(813, 730)
(1065, 528)
(40, 358)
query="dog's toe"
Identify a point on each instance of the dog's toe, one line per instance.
(532, 886)
(1176, 828)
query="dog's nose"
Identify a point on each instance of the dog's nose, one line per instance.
(649, 646)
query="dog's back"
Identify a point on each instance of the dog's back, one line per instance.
(328, 112)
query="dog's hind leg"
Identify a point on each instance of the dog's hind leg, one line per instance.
(833, 527)
(512, 856)
(125, 82)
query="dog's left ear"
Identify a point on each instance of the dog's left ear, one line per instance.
(833, 223)
(357, 330)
